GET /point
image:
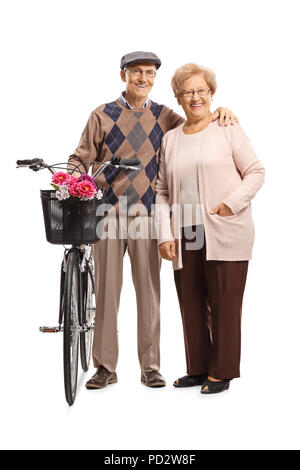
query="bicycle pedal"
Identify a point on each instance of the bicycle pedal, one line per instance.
(50, 329)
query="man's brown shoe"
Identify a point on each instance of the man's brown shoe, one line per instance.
(101, 378)
(153, 378)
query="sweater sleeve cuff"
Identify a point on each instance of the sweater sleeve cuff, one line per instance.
(164, 240)
(234, 207)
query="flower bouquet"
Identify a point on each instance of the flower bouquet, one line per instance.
(82, 187)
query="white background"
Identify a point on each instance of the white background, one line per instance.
(60, 60)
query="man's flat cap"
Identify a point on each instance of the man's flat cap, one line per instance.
(138, 57)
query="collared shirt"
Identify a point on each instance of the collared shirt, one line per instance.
(125, 102)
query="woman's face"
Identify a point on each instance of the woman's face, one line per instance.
(195, 105)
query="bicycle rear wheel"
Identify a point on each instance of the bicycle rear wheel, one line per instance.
(71, 326)
(89, 310)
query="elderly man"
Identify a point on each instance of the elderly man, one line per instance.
(131, 126)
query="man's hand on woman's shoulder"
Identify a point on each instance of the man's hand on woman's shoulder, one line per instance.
(224, 115)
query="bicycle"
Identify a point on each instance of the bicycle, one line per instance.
(74, 222)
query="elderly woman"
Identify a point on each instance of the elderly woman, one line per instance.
(212, 172)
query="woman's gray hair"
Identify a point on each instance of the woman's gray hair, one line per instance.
(186, 71)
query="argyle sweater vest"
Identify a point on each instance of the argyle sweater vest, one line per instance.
(113, 129)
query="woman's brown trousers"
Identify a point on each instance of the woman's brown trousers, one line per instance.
(210, 295)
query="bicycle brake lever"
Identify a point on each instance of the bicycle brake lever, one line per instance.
(35, 167)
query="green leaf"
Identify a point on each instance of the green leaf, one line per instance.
(55, 186)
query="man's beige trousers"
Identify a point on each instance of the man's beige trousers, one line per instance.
(145, 267)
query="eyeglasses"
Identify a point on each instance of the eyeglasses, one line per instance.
(201, 92)
(139, 73)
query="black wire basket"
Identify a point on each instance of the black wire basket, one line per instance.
(71, 221)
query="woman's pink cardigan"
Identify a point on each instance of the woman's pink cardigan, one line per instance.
(229, 172)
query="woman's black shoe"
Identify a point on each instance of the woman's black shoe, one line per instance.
(215, 387)
(190, 380)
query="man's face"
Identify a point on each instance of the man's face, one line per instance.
(139, 79)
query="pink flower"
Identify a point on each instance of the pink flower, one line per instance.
(73, 188)
(61, 177)
(86, 177)
(85, 189)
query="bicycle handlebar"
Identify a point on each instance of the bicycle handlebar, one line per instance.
(116, 160)
(37, 164)
(130, 161)
(30, 162)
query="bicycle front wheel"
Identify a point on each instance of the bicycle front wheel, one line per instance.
(71, 326)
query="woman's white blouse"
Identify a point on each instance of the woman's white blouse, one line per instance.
(189, 155)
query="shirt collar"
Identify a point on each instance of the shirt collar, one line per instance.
(125, 102)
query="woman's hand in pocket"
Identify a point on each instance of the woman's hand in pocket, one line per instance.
(168, 250)
(222, 210)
